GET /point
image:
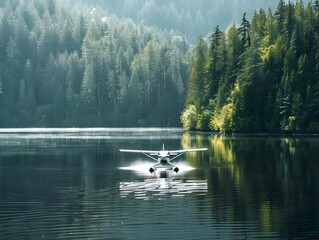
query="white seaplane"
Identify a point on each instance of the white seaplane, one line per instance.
(163, 158)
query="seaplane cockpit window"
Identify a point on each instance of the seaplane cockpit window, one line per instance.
(163, 161)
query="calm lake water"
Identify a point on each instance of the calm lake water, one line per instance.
(74, 184)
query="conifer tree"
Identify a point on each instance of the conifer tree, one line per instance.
(197, 77)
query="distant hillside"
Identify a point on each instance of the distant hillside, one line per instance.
(192, 18)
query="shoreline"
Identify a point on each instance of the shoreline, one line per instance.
(256, 134)
(152, 129)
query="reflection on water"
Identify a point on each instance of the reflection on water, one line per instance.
(157, 187)
(70, 184)
(161, 188)
(272, 181)
(11, 135)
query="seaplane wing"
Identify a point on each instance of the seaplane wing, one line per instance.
(177, 153)
(171, 152)
(139, 151)
(187, 150)
(147, 153)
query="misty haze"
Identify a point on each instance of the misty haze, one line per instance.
(159, 119)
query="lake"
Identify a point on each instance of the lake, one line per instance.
(74, 184)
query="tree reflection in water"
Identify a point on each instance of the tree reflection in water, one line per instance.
(269, 180)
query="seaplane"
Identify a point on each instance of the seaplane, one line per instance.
(163, 158)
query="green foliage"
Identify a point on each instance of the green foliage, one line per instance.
(189, 118)
(197, 78)
(271, 75)
(191, 18)
(203, 120)
(65, 65)
(222, 121)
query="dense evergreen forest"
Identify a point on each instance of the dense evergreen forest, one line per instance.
(63, 64)
(189, 17)
(260, 76)
(76, 64)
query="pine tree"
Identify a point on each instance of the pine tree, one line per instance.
(233, 54)
(12, 57)
(289, 22)
(244, 32)
(135, 95)
(280, 16)
(88, 92)
(216, 65)
(197, 78)
(286, 102)
(246, 113)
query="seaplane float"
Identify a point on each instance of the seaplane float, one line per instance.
(163, 158)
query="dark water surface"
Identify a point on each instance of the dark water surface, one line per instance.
(74, 184)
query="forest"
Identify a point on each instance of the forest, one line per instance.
(64, 65)
(190, 18)
(79, 64)
(260, 76)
